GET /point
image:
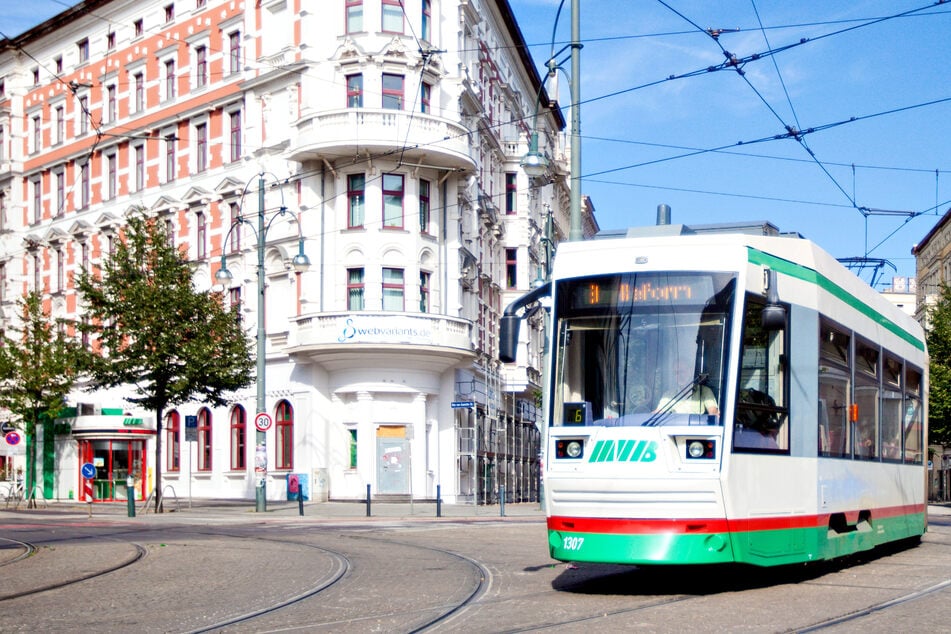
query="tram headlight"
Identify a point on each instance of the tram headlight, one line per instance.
(569, 448)
(701, 448)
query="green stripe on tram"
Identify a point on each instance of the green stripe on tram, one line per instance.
(809, 275)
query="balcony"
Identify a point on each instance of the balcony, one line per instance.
(356, 339)
(361, 131)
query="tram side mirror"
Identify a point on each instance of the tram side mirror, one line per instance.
(508, 338)
(774, 315)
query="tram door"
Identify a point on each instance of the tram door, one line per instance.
(114, 460)
(393, 460)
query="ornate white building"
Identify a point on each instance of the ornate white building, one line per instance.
(391, 132)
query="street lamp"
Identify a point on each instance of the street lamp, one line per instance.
(300, 262)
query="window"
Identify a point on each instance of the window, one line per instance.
(236, 231)
(834, 390)
(3, 281)
(511, 268)
(138, 100)
(201, 66)
(424, 210)
(37, 134)
(60, 114)
(60, 192)
(36, 76)
(169, 158)
(201, 147)
(111, 114)
(239, 438)
(111, 40)
(234, 301)
(139, 160)
(200, 4)
(353, 447)
(84, 257)
(355, 91)
(761, 415)
(866, 441)
(284, 432)
(200, 235)
(913, 429)
(234, 52)
(169, 79)
(235, 120)
(354, 16)
(170, 231)
(58, 63)
(392, 16)
(169, 13)
(392, 201)
(82, 47)
(424, 291)
(204, 439)
(355, 289)
(111, 176)
(356, 197)
(393, 289)
(891, 408)
(511, 191)
(138, 28)
(425, 95)
(37, 199)
(60, 271)
(83, 114)
(392, 91)
(426, 23)
(84, 185)
(173, 442)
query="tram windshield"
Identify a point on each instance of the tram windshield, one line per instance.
(641, 349)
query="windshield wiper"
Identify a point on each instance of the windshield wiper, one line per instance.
(657, 417)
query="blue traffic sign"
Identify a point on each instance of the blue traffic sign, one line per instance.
(88, 470)
(462, 404)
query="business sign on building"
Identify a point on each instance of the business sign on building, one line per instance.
(385, 329)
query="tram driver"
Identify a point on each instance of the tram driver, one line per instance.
(688, 395)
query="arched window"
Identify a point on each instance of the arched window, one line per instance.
(284, 423)
(239, 438)
(173, 442)
(204, 439)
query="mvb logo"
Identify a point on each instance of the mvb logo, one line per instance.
(624, 451)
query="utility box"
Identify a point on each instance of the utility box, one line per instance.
(321, 485)
(298, 486)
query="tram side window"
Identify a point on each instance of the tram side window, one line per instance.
(834, 389)
(865, 439)
(761, 419)
(913, 432)
(891, 408)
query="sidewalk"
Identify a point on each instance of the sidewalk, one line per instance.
(318, 510)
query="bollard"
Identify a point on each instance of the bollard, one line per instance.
(130, 495)
(438, 500)
(368, 500)
(300, 503)
(501, 501)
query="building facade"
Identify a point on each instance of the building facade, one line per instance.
(932, 266)
(387, 134)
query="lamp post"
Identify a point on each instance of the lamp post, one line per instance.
(300, 262)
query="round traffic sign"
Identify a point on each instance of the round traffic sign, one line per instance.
(6, 427)
(262, 422)
(12, 438)
(88, 470)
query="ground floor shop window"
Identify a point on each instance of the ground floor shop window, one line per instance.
(115, 461)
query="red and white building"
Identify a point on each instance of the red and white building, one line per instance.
(392, 133)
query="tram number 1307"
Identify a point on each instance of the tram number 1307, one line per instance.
(572, 543)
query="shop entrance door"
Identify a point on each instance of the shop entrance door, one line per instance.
(114, 461)
(393, 460)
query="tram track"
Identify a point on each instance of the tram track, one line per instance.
(139, 553)
(28, 549)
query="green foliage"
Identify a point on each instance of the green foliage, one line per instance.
(39, 364)
(939, 349)
(165, 342)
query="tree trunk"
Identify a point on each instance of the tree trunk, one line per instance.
(158, 459)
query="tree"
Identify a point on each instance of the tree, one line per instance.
(157, 336)
(939, 349)
(39, 364)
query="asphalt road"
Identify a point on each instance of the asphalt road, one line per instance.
(402, 570)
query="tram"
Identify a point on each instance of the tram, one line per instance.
(724, 397)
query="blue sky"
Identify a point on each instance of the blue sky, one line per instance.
(872, 92)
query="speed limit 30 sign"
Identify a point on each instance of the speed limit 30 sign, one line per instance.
(262, 422)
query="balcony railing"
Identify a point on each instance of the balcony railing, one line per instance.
(350, 132)
(359, 332)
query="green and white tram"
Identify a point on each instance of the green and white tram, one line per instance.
(722, 397)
